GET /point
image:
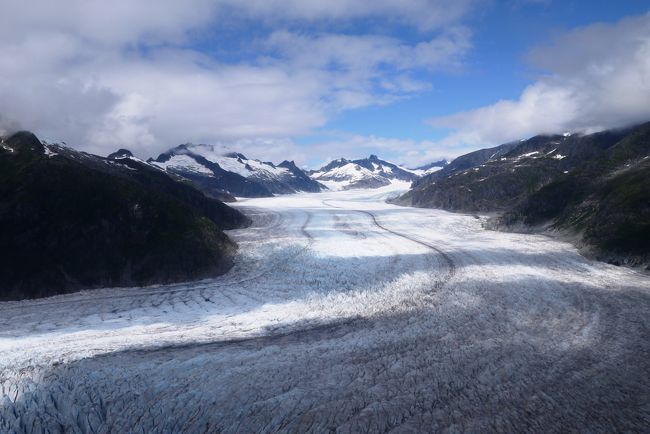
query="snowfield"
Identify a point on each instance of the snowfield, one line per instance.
(343, 314)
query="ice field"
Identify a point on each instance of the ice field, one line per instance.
(343, 314)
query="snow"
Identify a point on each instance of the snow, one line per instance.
(237, 165)
(133, 158)
(255, 168)
(343, 313)
(220, 155)
(529, 154)
(341, 177)
(421, 172)
(350, 171)
(49, 147)
(371, 173)
(120, 164)
(184, 162)
(335, 185)
(49, 152)
(232, 165)
(263, 167)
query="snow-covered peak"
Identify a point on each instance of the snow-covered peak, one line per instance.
(371, 172)
(233, 172)
(350, 171)
(182, 163)
(184, 157)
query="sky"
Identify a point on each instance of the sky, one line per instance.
(412, 81)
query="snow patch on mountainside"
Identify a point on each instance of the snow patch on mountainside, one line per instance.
(238, 163)
(183, 162)
(422, 172)
(213, 167)
(348, 175)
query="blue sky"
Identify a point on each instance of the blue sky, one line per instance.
(310, 80)
(496, 68)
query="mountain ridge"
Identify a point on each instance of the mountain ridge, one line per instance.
(222, 172)
(569, 184)
(74, 220)
(371, 172)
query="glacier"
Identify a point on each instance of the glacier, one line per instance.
(347, 314)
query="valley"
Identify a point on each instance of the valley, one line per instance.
(343, 313)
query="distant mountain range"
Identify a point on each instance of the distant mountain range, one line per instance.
(370, 172)
(223, 174)
(71, 220)
(594, 188)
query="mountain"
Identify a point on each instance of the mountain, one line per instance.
(605, 201)
(593, 187)
(465, 162)
(496, 179)
(216, 172)
(71, 220)
(120, 153)
(370, 172)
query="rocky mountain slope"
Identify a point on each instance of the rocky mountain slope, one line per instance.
(370, 172)
(605, 200)
(71, 220)
(218, 172)
(465, 162)
(593, 187)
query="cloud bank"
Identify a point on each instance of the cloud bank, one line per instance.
(597, 77)
(102, 75)
(260, 74)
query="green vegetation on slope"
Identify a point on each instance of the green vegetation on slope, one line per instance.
(71, 221)
(596, 186)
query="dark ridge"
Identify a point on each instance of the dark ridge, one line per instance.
(593, 188)
(80, 221)
(120, 153)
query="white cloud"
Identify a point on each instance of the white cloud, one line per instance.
(101, 75)
(598, 77)
(426, 14)
(368, 52)
(98, 22)
(365, 69)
